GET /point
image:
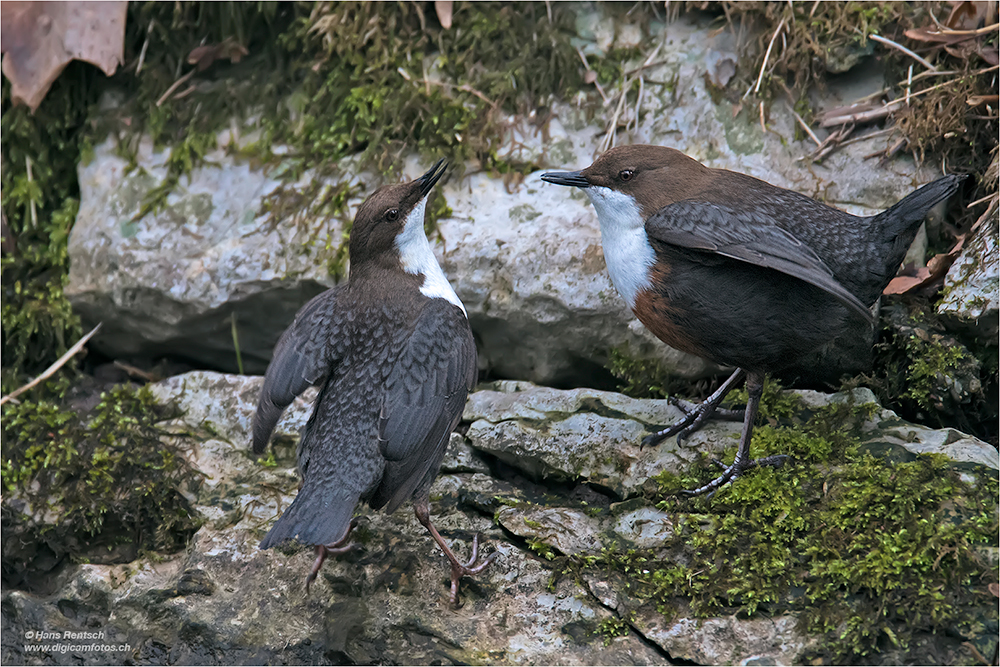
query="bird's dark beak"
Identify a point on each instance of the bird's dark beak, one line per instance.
(573, 178)
(432, 176)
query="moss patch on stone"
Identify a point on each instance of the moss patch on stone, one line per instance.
(98, 488)
(872, 556)
(327, 80)
(928, 375)
(40, 201)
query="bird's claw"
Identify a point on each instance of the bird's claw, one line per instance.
(323, 551)
(695, 416)
(459, 570)
(732, 472)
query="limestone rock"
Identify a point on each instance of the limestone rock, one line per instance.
(972, 286)
(593, 436)
(171, 282)
(727, 641)
(525, 258)
(224, 601)
(573, 531)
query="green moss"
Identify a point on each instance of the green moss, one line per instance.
(927, 375)
(930, 364)
(268, 461)
(871, 556)
(612, 627)
(542, 549)
(39, 206)
(640, 378)
(109, 480)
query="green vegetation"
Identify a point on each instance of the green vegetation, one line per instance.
(40, 200)
(326, 80)
(927, 375)
(649, 378)
(95, 483)
(870, 555)
(612, 627)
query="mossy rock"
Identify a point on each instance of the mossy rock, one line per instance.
(95, 488)
(879, 560)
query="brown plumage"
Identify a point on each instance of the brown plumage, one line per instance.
(736, 270)
(394, 354)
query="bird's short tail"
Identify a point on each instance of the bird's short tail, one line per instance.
(318, 515)
(913, 208)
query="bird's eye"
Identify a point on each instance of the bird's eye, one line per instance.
(626, 175)
(392, 214)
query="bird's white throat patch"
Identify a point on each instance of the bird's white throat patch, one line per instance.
(626, 247)
(416, 256)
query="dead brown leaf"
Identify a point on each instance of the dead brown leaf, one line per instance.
(990, 54)
(995, 589)
(925, 276)
(39, 39)
(904, 284)
(968, 14)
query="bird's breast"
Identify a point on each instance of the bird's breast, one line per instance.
(663, 316)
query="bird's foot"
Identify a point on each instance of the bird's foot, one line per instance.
(730, 473)
(695, 416)
(323, 551)
(459, 569)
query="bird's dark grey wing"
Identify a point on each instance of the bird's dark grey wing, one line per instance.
(749, 236)
(425, 395)
(303, 357)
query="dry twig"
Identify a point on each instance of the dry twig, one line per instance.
(971, 33)
(805, 126)
(832, 142)
(137, 372)
(50, 371)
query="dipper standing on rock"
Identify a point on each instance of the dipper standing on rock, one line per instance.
(394, 353)
(738, 271)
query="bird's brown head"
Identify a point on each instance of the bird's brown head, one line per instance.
(651, 176)
(391, 219)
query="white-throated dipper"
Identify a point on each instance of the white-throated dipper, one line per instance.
(394, 354)
(739, 271)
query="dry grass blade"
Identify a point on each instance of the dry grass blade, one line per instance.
(903, 49)
(59, 363)
(177, 84)
(610, 135)
(464, 87)
(805, 126)
(767, 56)
(832, 142)
(591, 75)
